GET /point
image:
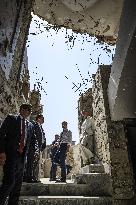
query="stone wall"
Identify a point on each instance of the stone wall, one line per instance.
(100, 115)
(8, 22)
(84, 103)
(121, 167)
(7, 101)
(111, 142)
(24, 19)
(15, 17)
(37, 108)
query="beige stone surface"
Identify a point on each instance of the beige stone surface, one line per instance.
(95, 17)
(111, 144)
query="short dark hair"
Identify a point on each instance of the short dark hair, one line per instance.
(39, 116)
(64, 122)
(26, 106)
(56, 135)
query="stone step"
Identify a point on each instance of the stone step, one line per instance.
(58, 189)
(92, 168)
(96, 180)
(67, 200)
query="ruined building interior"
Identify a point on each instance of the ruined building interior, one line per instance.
(110, 105)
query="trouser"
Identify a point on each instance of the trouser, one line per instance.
(29, 164)
(36, 166)
(53, 156)
(63, 154)
(12, 180)
(53, 170)
(61, 157)
(32, 166)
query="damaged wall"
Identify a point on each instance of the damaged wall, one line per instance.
(86, 127)
(15, 17)
(84, 103)
(97, 17)
(100, 114)
(111, 142)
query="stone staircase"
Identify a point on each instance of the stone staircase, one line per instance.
(92, 168)
(87, 189)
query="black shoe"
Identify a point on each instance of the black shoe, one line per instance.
(36, 181)
(54, 179)
(29, 181)
(32, 180)
(63, 181)
(60, 181)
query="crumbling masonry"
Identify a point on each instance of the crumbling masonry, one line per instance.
(112, 138)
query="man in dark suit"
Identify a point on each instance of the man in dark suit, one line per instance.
(15, 136)
(35, 149)
(53, 152)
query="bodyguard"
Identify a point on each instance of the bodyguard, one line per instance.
(53, 152)
(15, 136)
(35, 149)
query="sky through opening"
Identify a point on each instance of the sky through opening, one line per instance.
(59, 58)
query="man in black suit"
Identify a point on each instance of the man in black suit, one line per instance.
(15, 135)
(35, 149)
(53, 152)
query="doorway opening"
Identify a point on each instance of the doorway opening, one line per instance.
(130, 128)
(66, 61)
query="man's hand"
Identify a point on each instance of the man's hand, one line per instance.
(68, 147)
(2, 159)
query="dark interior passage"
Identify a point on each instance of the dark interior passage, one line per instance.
(130, 127)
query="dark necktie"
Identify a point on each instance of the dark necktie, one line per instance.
(21, 145)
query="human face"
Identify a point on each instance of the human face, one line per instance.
(40, 120)
(56, 137)
(64, 125)
(25, 112)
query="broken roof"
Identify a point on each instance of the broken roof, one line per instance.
(98, 18)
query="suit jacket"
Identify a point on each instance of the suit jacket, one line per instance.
(40, 140)
(10, 134)
(54, 149)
